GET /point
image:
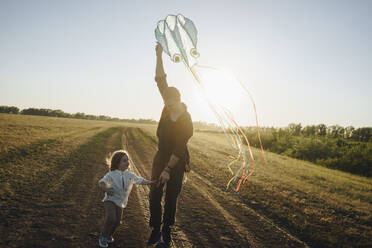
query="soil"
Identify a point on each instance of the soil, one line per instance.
(64, 208)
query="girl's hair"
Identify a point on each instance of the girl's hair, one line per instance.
(113, 159)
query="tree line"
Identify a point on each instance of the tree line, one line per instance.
(363, 134)
(343, 148)
(60, 113)
(347, 149)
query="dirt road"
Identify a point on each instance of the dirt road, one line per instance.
(61, 206)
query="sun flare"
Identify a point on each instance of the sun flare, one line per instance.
(223, 89)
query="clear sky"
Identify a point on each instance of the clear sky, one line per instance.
(305, 62)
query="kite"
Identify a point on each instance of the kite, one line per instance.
(178, 37)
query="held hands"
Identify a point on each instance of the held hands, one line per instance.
(158, 49)
(148, 182)
(164, 177)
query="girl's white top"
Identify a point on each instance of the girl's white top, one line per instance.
(121, 182)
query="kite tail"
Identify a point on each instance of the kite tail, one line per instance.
(254, 107)
(233, 132)
(244, 160)
(255, 112)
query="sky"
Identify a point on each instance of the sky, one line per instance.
(303, 62)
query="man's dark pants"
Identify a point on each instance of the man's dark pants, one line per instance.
(173, 189)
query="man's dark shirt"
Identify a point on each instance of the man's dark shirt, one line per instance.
(173, 135)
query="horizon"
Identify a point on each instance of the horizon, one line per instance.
(146, 120)
(305, 63)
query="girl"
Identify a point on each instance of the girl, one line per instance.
(117, 185)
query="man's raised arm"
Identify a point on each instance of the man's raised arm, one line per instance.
(160, 76)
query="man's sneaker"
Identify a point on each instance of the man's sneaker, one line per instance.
(154, 238)
(166, 236)
(102, 241)
(110, 240)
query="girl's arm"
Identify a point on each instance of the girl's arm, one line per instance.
(147, 182)
(104, 187)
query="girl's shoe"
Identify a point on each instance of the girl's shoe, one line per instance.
(110, 240)
(102, 241)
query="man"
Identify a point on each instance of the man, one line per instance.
(172, 158)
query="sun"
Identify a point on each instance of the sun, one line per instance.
(222, 89)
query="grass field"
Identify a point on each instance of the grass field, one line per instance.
(321, 206)
(49, 168)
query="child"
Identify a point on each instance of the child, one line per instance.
(117, 185)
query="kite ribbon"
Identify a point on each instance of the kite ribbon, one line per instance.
(234, 130)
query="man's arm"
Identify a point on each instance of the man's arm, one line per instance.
(160, 76)
(165, 174)
(179, 151)
(172, 162)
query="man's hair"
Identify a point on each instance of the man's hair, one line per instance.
(172, 93)
(113, 160)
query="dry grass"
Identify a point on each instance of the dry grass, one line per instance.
(324, 207)
(22, 130)
(32, 146)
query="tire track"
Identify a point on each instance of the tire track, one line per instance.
(237, 224)
(243, 233)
